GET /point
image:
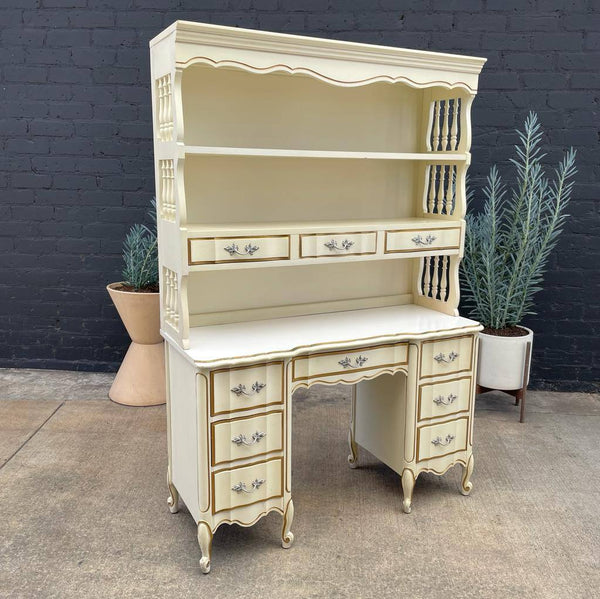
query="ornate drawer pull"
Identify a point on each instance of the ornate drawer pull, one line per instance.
(441, 401)
(241, 487)
(346, 245)
(347, 363)
(249, 249)
(442, 357)
(439, 442)
(242, 440)
(418, 240)
(241, 389)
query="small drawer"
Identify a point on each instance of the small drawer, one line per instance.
(245, 485)
(446, 356)
(219, 250)
(319, 245)
(439, 440)
(249, 437)
(348, 362)
(419, 240)
(246, 387)
(444, 399)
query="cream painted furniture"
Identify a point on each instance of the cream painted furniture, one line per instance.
(311, 196)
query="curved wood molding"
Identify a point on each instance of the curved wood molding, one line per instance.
(320, 76)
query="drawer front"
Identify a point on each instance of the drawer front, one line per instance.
(419, 240)
(446, 356)
(218, 250)
(439, 440)
(241, 438)
(245, 485)
(246, 387)
(348, 362)
(444, 399)
(338, 244)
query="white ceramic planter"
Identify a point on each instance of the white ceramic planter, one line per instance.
(502, 361)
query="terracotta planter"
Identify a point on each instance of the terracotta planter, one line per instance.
(140, 380)
(502, 361)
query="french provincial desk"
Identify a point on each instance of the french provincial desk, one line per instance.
(311, 201)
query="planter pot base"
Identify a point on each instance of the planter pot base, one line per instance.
(141, 377)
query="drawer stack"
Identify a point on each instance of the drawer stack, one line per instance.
(248, 435)
(444, 400)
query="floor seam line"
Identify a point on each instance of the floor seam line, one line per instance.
(33, 434)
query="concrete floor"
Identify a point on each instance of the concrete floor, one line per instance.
(83, 511)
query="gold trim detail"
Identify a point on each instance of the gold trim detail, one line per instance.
(444, 339)
(262, 514)
(245, 367)
(214, 425)
(443, 455)
(453, 380)
(317, 255)
(236, 260)
(431, 248)
(226, 509)
(346, 351)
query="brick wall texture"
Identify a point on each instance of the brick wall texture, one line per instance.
(76, 151)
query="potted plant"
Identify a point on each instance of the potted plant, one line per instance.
(507, 247)
(140, 380)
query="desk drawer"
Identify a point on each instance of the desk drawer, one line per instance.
(246, 387)
(421, 240)
(444, 399)
(249, 437)
(244, 485)
(446, 356)
(338, 244)
(439, 440)
(218, 250)
(348, 362)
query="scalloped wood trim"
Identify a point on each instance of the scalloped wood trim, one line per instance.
(312, 73)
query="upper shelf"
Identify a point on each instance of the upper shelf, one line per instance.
(436, 157)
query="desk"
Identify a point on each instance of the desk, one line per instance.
(310, 201)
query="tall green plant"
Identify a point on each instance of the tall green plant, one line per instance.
(140, 255)
(508, 244)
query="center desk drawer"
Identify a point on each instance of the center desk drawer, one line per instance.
(245, 388)
(446, 356)
(437, 400)
(439, 440)
(319, 245)
(416, 240)
(218, 250)
(248, 437)
(349, 361)
(245, 485)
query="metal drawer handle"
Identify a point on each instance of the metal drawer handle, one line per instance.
(241, 389)
(241, 487)
(439, 442)
(347, 362)
(234, 248)
(346, 245)
(418, 240)
(441, 401)
(442, 357)
(242, 440)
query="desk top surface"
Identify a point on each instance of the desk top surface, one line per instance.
(277, 338)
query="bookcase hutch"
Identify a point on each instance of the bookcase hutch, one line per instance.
(311, 202)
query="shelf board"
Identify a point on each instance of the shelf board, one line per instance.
(284, 153)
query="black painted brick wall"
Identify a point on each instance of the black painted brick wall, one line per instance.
(76, 152)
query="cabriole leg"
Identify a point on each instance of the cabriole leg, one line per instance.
(467, 485)
(205, 542)
(173, 499)
(353, 455)
(408, 484)
(287, 537)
